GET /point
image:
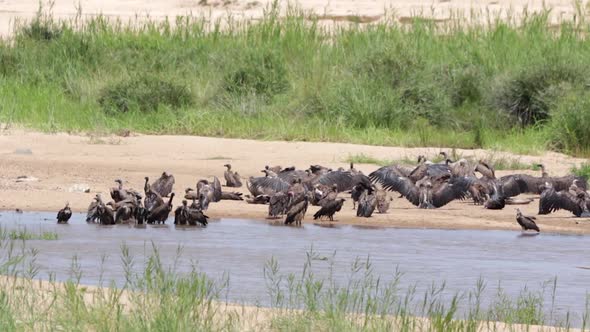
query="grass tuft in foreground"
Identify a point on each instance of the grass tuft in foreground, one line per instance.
(155, 295)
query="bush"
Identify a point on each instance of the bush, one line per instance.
(144, 93)
(527, 95)
(261, 73)
(568, 130)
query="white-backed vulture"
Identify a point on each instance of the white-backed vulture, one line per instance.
(64, 215)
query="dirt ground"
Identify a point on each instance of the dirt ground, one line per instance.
(60, 161)
(366, 11)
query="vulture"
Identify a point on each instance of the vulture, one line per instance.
(164, 185)
(267, 185)
(208, 192)
(343, 179)
(260, 199)
(184, 215)
(278, 205)
(575, 200)
(232, 179)
(273, 169)
(291, 174)
(367, 201)
(320, 192)
(526, 222)
(160, 213)
(500, 191)
(118, 193)
(429, 192)
(298, 202)
(64, 214)
(152, 198)
(92, 214)
(329, 206)
(123, 210)
(231, 196)
(383, 201)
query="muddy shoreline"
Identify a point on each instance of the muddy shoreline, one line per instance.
(62, 161)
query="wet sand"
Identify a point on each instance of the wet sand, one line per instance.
(60, 161)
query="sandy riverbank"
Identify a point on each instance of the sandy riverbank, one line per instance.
(60, 161)
(365, 11)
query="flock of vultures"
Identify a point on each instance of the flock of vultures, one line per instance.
(289, 191)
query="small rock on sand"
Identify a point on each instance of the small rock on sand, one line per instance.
(23, 151)
(79, 188)
(26, 178)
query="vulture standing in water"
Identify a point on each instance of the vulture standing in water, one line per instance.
(184, 215)
(152, 198)
(526, 222)
(164, 185)
(160, 213)
(232, 179)
(278, 205)
(64, 214)
(575, 200)
(382, 201)
(329, 206)
(298, 202)
(118, 193)
(92, 213)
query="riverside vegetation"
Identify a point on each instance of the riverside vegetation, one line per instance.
(518, 85)
(156, 296)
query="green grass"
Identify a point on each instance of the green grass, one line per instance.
(500, 85)
(156, 297)
(22, 233)
(499, 163)
(583, 170)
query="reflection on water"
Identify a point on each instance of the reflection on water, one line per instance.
(241, 247)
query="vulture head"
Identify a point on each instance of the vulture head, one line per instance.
(184, 202)
(228, 166)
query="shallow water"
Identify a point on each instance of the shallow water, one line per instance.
(241, 248)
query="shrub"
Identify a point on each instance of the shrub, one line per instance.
(568, 130)
(583, 170)
(526, 96)
(144, 93)
(262, 73)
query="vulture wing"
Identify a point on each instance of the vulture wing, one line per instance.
(164, 185)
(343, 179)
(404, 186)
(552, 201)
(216, 186)
(456, 188)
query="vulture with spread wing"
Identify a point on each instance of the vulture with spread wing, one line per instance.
(575, 200)
(163, 185)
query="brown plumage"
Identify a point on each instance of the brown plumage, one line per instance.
(298, 202)
(164, 185)
(367, 201)
(184, 215)
(159, 214)
(383, 201)
(575, 200)
(232, 179)
(278, 205)
(526, 222)
(208, 192)
(329, 207)
(430, 192)
(231, 196)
